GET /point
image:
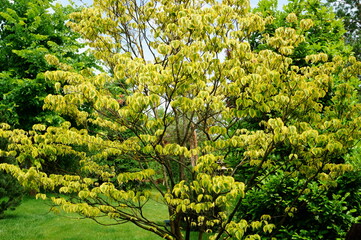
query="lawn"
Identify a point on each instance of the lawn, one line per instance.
(33, 221)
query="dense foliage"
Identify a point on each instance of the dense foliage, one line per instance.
(30, 29)
(11, 192)
(350, 12)
(323, 214)
(326, 35)
(213, 123)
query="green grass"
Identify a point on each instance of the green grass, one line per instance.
(33, 221)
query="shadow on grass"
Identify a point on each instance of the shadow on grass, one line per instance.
(9, 216)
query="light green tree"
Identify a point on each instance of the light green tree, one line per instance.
(192, 76)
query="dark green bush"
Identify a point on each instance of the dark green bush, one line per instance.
(11, 193)
(321, 213)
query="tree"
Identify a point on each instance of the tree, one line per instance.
(350, 12)
(322, 214)
(325, 35)
(28, 31)
(192, 81)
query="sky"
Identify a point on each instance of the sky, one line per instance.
(253, 2)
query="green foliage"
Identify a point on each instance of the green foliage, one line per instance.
(29, 31)
(350, 12)
(321, 213)
(11, 192)
(281, 189)
(217, 130)
(324, 34)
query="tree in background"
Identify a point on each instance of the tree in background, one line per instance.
(193, 84)
(350, 12)
(325, 35)
(29, 30)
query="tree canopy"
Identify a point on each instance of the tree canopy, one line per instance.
(350, 12)
(207, 118)
(29, 30)
(325, 35)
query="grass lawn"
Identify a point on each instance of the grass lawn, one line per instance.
(33, 221)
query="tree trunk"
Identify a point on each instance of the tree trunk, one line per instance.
(200, 235)
(188, 228)
(355, 232)
(175, 224)
(193, 144)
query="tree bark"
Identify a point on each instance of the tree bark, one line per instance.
(355, 232)
(193, 144)
(175, 224)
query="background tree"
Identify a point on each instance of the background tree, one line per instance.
(28, 31)
(350, 12)
(325, 35)
(184, 126)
